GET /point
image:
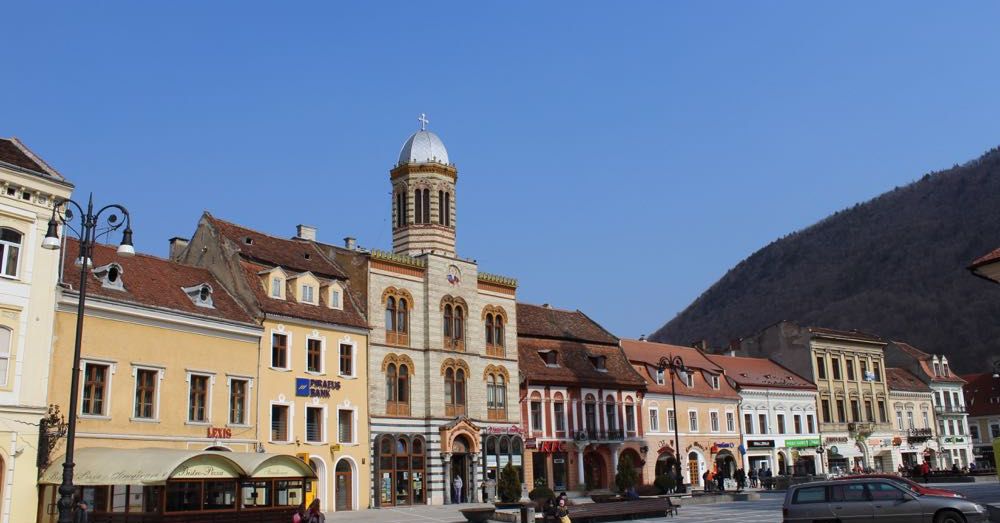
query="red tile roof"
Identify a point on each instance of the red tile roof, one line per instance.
(294, 309)
(760, 372)
(645, 355)
(990, 257)
(152, 282)
(13, 152)
(926, 364)
(546, 322)
(982, 394)
(853, 334)
(574, 365)
(904, 380)
(291, 255)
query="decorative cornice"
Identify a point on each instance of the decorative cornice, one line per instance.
(410, 168)
(400, 259)
(497, 279)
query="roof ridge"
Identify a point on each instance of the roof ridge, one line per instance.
(35, 158)
(146, 255)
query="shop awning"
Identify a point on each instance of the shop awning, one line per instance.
(154, 466)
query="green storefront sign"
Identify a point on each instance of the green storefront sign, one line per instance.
(801, 443)
(954, 439)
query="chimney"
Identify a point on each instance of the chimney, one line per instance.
(305, 232)
(642, 337)
(177, 246)
(350, 243)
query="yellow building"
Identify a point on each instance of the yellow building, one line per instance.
(28, 273)
(313, 395)
(168, 361)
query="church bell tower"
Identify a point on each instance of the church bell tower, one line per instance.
(423, 196)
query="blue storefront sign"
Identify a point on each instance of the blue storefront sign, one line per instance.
(315, 388)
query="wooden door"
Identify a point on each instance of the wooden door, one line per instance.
(344, 487)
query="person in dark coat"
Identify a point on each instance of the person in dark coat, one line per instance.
(80, 514)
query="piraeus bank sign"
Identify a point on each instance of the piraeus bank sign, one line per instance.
(315, 388)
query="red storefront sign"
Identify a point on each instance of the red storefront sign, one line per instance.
(551, 446)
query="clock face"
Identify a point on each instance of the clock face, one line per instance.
(454, 275)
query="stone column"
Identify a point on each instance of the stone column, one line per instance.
(581, 482)
(615, 452)
(446, 458)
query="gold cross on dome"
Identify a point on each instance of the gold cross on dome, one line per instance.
(423, 121)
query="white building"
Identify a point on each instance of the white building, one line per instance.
(778, 414)
(28, 276)
(911, 405)
(952, 432)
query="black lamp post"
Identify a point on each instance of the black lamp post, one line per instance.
(996, 369)
(90, 228)
(675, 364)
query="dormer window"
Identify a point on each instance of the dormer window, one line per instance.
(307, 294)
(944, 367)
(335, 296)
(599, 362)
(274, 281)
(110, 276)
(551, 358)
(277, 286)
(200, 295)
(715, 382)
(659, 377)
(689, 379)
(248, 240)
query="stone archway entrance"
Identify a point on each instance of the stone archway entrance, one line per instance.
(595, 471)
(459, 449)
(461, 469)
(725, 463)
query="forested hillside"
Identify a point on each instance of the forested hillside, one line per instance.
(894, 266)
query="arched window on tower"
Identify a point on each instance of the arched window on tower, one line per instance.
(489, 330)
(448, 318)
(400, 209)
(427, 206)
(447, 209)
(441, 208)
(390, 315)
(418, 204)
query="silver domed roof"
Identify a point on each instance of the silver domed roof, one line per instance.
(423, 147)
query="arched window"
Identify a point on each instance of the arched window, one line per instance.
(489, 329)
(447, 209)
(455, 376)
(491, 393)
(427, 206)
(448, 320)
(611, 414)
(501, 397)
(441, 207)
(498, 332)
(391, 377)
(496, 392)
(459, 325)
(390, 314)
(403, 386)
(449, 387)
(400, 210)
(418, 204)
(402, 313)
(493, 320)
(397, 384)
(10, 252)
(460, 388)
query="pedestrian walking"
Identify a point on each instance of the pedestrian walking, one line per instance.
(315, 515)
(80, 514)
(458, 490)
(741, 480)
(300, 514)
(562, 511)
(753, 477)
(720, 478)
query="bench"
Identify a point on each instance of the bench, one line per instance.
(621, 510)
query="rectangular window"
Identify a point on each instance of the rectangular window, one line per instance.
(279, 351)
(145, 393)
(762, 423)
(730, 422)
(781, 423)
(689, 379)
(927, 423)
(881, 412)
(994, 430)
(659, 377)
(238, 402)
(559, 412)
(841, 412)
(810, 426)
(198, 398)
(654, 421)
(346, 359)
(748, 423)
(850, 369)
(974, 432)
(314, 355)
(855, 411)
(877, 371)
(899, 419)
(307, 293)
(630, 418)
(671, 420)
(5, 340)
(835, 365)
(909, 420)
(715, 382)
(536, 416)
(864, 370)
(279, 423)
(276, 288)
(314, 424)
(826, 412)
(713, 418)
(797, 420)
(820, 367)
(869, 413)
(94, 389)
(345, 426)
(693, 421)
(335, 299)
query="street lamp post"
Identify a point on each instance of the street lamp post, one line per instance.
(675, 364)
(996, 369)
(90, 228)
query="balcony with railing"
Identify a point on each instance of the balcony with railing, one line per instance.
(949, 409)
(599, 435)
(919, 435)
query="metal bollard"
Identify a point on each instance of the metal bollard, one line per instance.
(527, 513)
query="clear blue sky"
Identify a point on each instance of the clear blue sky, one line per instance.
(617, 158)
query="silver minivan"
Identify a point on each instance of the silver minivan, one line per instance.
(870, 500)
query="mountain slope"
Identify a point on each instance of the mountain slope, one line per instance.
(894, 266)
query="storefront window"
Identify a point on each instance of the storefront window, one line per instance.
(183, 496)
(401, 473)
(220, 495)
(288, 493)
(256, 494)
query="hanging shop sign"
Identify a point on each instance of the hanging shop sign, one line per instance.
(760, 443)
(836, 439)
(309, 387)
(513, 429)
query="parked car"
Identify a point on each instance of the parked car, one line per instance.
(874, 499)
(922, 489)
